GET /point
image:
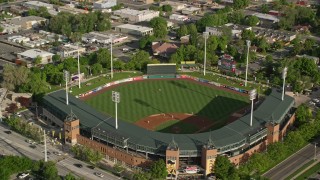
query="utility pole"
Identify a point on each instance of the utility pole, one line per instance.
(116, 100)
(248, 45)
(205, 36)
(315, 151)
(79, 78)
(284, 75)
(111, 58)
(45, 146)
(252, 95)
(66, 78)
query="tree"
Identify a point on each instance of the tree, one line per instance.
(158, 169)
(240, 4)
(159, 26)
(69, 176)
(38, 60)
(14, 76)
(166, 8)
(303, 114)
(56, 58)
(146, 41)
(248, 35)
(104, 57)
(96, 68)
(222, 167)
(182, 31)
(49, 171)
(265, 8)
(252, 21)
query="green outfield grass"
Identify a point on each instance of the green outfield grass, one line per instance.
(144, 98)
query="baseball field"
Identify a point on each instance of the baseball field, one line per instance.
(172, 106)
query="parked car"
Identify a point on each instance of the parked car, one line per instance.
(23, 175)
(91, 167)
(316, 100)
(98, 174)
(8, 132)
(19, 115)
(78, 165)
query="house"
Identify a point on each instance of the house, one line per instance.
(104, 4)
(163, 49)
(266, 17)
(134, 29)
(176, 6)
(135, 15)
(103, 38)
(28, 57)
(236, 30)
(24, 23)
(185, 39)
(178, 17)
(69, 50)
(37, 5)
(190, 10)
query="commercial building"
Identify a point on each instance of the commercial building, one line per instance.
(103, 38)
(104, 4)
(27, 57)
(274, 35)
(266, 17)
(135, 15)
(178, 17)
(134, 29)
(69, 50)
(24, 23)
(176, 6)
(71, 9)
(37, 5)
(191, 10)
(134, 146)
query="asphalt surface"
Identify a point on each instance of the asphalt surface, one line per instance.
(293, 163)
(15, 144)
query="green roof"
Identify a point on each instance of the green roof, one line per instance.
(272, 109)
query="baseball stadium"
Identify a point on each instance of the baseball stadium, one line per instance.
(186, 121)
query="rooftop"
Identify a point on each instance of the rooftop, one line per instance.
(23, 20)
(134, 12)
(266, 17)
(33, 53)
(39, 4)
(135, 27)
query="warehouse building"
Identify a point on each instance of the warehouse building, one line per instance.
(135, 15)
(134, 29)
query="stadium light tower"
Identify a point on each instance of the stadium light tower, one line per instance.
(111, 65)
(248, 45)
(205, 36)
(252, 95)
(116, 100)
(79, 67)
(284, 75)
(45, 146)
(66, 75)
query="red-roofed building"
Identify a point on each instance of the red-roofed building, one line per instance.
(163, 49)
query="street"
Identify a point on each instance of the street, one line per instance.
(293, 163)
(15, 144)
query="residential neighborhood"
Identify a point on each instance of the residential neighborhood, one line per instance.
(149, 89)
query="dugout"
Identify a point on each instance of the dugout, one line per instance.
(162, 70)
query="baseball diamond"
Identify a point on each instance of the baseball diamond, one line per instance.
(135, 146)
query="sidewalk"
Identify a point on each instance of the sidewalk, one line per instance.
(306, 169)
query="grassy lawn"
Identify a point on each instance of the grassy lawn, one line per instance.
(99, 81)
(184, 128)
(223, 80)
(309, 172)
(300, 169)
(144, 98)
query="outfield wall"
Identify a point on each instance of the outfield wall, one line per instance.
(139, 78)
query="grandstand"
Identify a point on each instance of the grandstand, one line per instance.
(270, 122)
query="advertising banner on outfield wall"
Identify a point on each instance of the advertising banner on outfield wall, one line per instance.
(138, 78)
